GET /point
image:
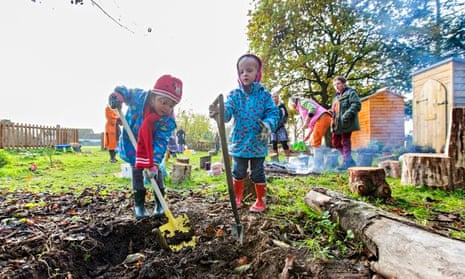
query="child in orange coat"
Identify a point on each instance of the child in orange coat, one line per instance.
(112, 132)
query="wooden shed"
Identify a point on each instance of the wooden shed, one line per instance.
(381, 120)
(436, 91)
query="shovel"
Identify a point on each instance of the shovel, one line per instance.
(237, 231)
(174, 225)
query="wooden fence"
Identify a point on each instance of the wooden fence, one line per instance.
(17, 135)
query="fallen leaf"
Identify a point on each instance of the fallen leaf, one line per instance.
(241, 261)
(132, 258)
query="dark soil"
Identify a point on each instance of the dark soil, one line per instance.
(95, 235)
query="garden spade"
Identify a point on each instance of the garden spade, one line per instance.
(237, 231)
(174, 225)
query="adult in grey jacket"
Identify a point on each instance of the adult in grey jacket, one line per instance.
(346, 105)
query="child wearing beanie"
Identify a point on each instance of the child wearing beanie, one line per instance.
(151, 119)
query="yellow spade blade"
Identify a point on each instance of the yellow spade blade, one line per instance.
(174, 225)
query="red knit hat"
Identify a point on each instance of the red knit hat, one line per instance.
(168, 86)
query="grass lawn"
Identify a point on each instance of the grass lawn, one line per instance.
(50, 171)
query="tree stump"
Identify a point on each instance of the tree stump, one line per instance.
(180, 172)
(204, 160)
(369, 181)
(182, 160)
(427, 169)
(391, 168)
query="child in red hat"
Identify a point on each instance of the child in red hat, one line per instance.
(255, 117)
(150, 117)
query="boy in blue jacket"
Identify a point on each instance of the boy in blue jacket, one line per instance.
(151, 119)
(255, 116)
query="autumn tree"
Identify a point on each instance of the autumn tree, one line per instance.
(306, 43)
(415, 34)
(198, 127)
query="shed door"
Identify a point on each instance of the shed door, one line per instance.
(432, 115)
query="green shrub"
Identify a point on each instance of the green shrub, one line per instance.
(4, 159)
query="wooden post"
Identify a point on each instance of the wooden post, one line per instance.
(203, 160)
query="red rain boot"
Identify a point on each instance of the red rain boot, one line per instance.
(259, 205)
(238, 186)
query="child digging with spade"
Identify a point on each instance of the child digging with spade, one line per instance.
(255, 116)
(151, 119)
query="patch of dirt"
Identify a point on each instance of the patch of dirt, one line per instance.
(95, 235)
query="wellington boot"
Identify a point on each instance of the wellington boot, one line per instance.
(158, 210)
(238, 186)
(139, 204)
(113, 156)
(259, 205)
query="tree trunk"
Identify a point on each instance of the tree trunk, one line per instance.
(402, 248)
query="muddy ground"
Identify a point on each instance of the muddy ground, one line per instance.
(94, 235)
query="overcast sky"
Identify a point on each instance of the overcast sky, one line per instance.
(59, 62)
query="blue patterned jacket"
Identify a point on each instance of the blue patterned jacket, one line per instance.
(135, 100)
(247, 109)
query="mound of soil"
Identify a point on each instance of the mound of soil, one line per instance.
(95, 235)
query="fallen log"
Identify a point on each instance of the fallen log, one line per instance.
(403, 249)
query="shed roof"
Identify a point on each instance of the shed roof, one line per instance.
(382, 90)
(451, 59)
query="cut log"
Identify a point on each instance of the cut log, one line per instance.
(391, 168)
(402, 248)
(180, 172)
(369, 181)
(445, 170)
(426, 169)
